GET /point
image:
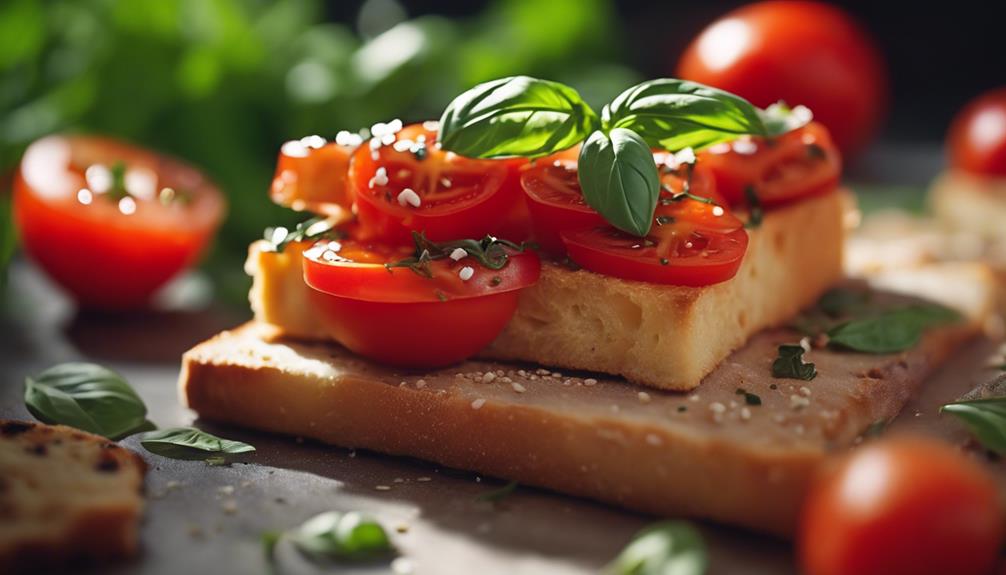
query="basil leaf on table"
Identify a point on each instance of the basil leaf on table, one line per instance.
(790, 364)
(890, 331)
(669, 547)
(88, 397)
(619, 179)
(190, 443)
(676, 114)
(985, 417)
(332, 535)
(515, 116)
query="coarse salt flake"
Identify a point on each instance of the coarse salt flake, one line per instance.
(409, 197)
(466, 273)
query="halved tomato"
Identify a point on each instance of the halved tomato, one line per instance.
(111, 222)
(311, 174)
(401, 181)
(694, 240)
(417, 312)
(798, 164)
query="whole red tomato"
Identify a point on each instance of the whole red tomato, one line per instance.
(977, 138)
(802, 52)
(902, 506)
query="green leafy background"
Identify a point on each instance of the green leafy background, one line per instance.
(222, 83)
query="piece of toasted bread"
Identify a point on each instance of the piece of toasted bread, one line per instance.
(656, 335)
(66, 498)
(975, 204)
(716, 453)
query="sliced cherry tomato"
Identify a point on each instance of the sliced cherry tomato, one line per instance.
(311, 174)
(808, 53)
(977, 138)
(694, 240)
(111, 222)
(798, 164)
(403, 182)
(555, 203)
(398, 316)
(902, 506)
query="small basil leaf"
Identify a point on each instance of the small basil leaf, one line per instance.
(619, 179)
(890, 331)
(670, 547)
(790, 364)
(516, 116)
(986, 418)
(190, 443)
(311, 229)
(676, 114)
(497, 495)
(349, 536)
(86, 396)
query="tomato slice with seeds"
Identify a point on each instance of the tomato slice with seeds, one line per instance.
(394, 315)
(404, 182)
(798, 164)
(555, 203)
(694, 240)
(311, 174)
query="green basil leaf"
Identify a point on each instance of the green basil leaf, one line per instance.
(676, 114)
(516, 116)
(985, 417)
(666, 548)
(619, 179)
(790, 364)
(497, 495)
(311, 229)
(190, 443)
(86, 396)
(348, 536)
(890, 331)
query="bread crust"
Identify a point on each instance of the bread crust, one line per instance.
(656, 335)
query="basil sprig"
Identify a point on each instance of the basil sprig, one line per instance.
(190, 443)
(516, 116)
(88, 397)
(661, 549)
(332, 535)
(985, 417)
(522, 116)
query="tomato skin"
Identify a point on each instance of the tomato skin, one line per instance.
(555, 204)
(799, 164)
(311, 175)
(806, 53)
(485, 194)
(902, 506)
(105, 258)
(977, 138)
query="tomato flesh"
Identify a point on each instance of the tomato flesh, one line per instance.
(311, 175)
(407, 183)
(555, 203)
(902, 506)
(798, 164)
(977, 138)
(111, 252)
(403, 318)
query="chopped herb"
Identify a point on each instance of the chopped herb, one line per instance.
(773, 386)
(790, 364)
(497, 495)
(333, 536)
(756, 214)
(309, 230)
(815, 152)
(690, 196)
(419, 151)
(495, 281)
(682, 408)
(665, 548)
(440, 295)
(986, 419)
(664, 261)
(490, 252)
(118, 190)
(216, 461)
(749, 398)
(662, 220)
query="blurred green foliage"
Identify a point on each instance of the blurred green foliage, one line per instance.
(222, 83)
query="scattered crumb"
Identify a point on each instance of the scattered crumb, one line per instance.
(644, 397)
(694, 397)
(424, 479)
(421, 384)
(653, 439)
(226, 490)
(398, 480)
(196, 532)
(804, 391)
(382, 487)
(488, 377)
(745, 413)
(590, 381)
(797, 402)
(402, 527)
(717, 407)
(518, 387)
(478, 403)
(229, 506)
(401, 566)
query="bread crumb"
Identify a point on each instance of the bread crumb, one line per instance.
(518, 387)
(229, 506)
(694, 397)
(644, 397)
(488, 377)
(653, 439)
(478, 403)
(402, 527)
(424, 479)
(382, 487)
(805, 391)
(226, 490)
(590, 381)
(421, 384)
(797, 402)
(717, 407)
(745, 413)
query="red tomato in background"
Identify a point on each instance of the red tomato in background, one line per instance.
(902, 506)
(977, 138)
(111, 249)
(400, 317)
(409, 184)
(806, 53)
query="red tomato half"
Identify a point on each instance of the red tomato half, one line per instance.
(400, 317)
(409, 184)
(808, 53)
(902, 506)
(311, 175)
(799, 164)
(111, 243)
(694, 240)
(555, 204)
(977, 138)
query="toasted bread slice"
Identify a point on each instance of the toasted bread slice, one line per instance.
(708, 454)
(656, 335)
(66, 498)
